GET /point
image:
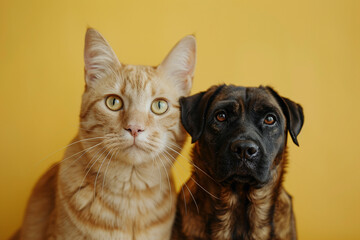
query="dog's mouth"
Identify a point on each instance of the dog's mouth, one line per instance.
(235, 171)
(241, 178)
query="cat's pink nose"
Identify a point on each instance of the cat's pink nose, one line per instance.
(134, 130)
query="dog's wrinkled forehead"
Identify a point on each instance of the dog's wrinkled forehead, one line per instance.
(242, 99)
(196, 109)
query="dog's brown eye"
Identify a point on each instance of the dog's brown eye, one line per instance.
(221, 116)
(269, 119)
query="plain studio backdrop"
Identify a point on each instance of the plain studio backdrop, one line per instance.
(307, 50)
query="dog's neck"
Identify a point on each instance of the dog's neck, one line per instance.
(240, 210)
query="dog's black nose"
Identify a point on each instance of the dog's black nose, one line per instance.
(245, 149)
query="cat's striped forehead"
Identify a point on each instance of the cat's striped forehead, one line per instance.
(136, 79)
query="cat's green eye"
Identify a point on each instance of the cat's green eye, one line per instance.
(114, 102)
(159, 106)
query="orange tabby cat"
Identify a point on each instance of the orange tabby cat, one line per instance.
(115, 181)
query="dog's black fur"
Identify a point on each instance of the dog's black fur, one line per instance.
(240, 156)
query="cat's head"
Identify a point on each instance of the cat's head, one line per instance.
(132, 111)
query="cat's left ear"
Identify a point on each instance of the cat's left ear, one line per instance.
(100, 59)
(179, 64)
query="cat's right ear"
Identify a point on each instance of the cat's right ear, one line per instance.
(179, 64)
(100, 59)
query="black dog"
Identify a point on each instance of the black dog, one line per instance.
(235, 191)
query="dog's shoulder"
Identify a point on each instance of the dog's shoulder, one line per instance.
(193, 210)
(284, 220)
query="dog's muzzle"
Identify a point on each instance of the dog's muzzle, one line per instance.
(247, 155)
(245, 150)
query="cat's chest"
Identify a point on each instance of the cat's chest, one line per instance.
(127, 204)
(123, 201)
(119, 214)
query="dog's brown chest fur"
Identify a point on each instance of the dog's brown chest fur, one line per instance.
(240, 213)
(230, 217)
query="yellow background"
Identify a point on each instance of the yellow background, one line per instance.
(308, 50)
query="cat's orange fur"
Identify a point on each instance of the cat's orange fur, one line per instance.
(113, 184)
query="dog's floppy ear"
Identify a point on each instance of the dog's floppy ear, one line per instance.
(293, 113)
(193, 111)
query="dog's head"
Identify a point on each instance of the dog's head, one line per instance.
(241, 132)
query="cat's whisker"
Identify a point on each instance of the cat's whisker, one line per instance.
(193, 178)
(192, 196)
(98, 172)
(182, 187)
(104, 176)
(190, 162)
(167, 175)
(94, 156)
(79, 141)
(175, 145)
(157, 163)
(82, 182)
(73, 162)
(150, 146)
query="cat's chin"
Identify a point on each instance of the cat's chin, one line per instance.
(135, 149)
(136, 155)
